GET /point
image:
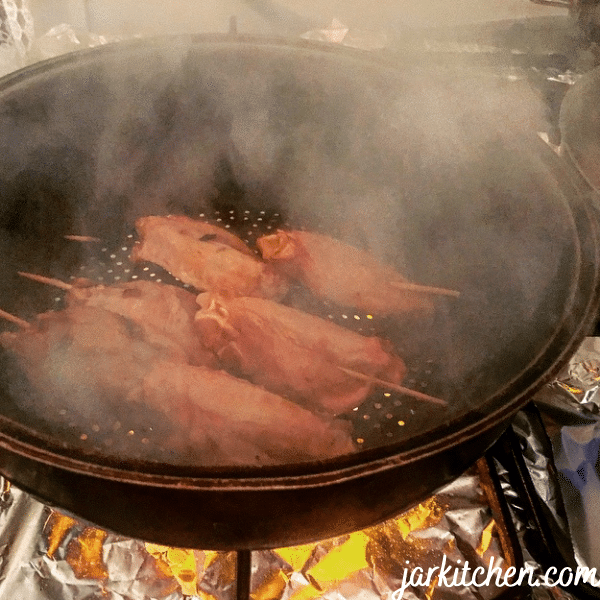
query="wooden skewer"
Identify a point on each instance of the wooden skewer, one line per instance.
(47, 280)
(14, 319)
(425, 289)
(82, 238)
(381, 382)
(394, 386)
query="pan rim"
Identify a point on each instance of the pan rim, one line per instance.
(315, 473)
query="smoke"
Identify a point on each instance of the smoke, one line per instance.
(434, 171)
(185, 16)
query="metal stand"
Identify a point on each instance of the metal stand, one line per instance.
(243, 572)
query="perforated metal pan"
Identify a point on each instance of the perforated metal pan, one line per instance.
(435, 171)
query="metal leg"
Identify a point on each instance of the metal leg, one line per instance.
(243, 573)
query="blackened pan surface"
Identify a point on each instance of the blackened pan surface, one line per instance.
(438, 173)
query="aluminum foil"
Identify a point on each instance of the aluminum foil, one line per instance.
(16, 34)
(46, 555)
(560, 439)
(338, 33)
(457, 524)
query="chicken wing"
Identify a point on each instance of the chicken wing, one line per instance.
(166, 309)
(296, 354)
(206, 265)
(335, 271)
(276, 426)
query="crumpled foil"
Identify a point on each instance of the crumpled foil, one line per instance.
(457, 523)
(559, 441)
(338, 33)
(16, 34)
(47, 555)
(570, 410)
(16, 24)
(65, 38)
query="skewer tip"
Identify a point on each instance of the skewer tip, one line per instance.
(14, 319)
(82, 238)
(394, 386)
(424, 289)
(47, 280)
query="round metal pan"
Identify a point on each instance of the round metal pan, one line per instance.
(437, 172)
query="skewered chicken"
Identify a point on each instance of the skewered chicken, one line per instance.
(333, 270)
(89, 355)
(199, 230)
(148, 342)
(294, 353)
(206, 265)
(165, 309)
(278, 427)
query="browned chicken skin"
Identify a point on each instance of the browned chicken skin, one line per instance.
(276, 426)
(294, 353)
(166, 309)
(333, 270)
(206, 265)
(90, 355)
